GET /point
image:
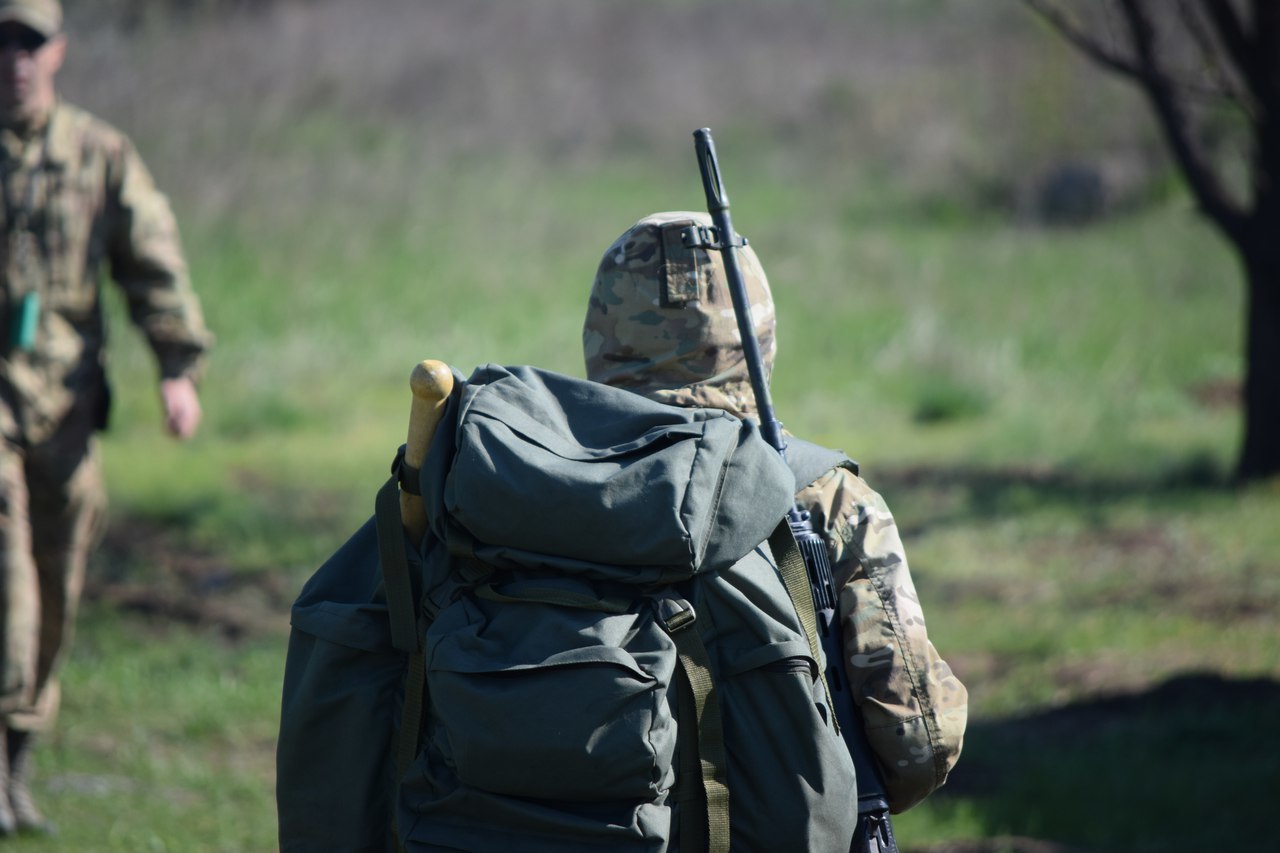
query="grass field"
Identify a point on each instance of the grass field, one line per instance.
(1051, 412)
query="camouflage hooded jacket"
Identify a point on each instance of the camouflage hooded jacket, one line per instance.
(914, 708)
(78, 203)
(660, 322)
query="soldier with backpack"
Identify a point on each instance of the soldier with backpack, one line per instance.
(599, 632)
(660, 323)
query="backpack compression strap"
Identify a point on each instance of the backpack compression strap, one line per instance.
(401, 607)
(705, 745)
(702, 749)
(393, 556)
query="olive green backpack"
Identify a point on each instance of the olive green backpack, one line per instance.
(606, 641)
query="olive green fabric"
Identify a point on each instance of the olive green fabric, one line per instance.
(639, 485)
(554, 720)
(600, 602)
(340, 709)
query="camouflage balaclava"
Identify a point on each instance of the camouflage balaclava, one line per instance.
(660, 321)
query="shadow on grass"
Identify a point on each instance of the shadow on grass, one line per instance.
(942, 496)
(230, 561)
(1192, 764)
(146, 568)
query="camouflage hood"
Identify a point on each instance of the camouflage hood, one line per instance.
(660, 321)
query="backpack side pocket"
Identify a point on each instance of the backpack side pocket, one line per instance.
(340, 710)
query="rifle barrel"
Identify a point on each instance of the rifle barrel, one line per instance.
(718, 207)
(875, 831)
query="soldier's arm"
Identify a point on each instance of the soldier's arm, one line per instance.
(148, 264)
(913, 706)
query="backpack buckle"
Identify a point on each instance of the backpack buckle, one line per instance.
(676, 614)
(708, 237)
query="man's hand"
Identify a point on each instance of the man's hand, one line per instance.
(181, 406)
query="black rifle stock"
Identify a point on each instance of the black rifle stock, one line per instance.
(875, 832)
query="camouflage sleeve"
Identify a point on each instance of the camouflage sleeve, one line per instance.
(148, 263)
(913, 707)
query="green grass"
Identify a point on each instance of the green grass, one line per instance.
(1033, 403)
(166, 741)
(1068, 514)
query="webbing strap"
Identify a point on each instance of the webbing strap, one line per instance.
(402, 613)
(688, 794)
(415, 701)
(415, 695)
(401, 605)
(696, 665)
(795, 577)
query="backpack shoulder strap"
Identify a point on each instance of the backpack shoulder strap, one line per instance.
(795, 577)
(809, 461)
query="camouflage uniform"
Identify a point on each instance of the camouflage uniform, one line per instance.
(77, 199)
(661, 323)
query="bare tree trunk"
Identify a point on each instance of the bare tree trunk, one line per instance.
(1259, 244)
(1260, 454)
(1248, 36)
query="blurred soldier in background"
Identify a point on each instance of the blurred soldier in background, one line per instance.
(78, 203)
(661, 323)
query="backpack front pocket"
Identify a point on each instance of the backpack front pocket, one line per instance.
(549, 702)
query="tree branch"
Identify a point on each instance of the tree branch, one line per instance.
(1226, 23)
(1228, 85)
(1082, 41)
(1126, 66)
(1205, 184)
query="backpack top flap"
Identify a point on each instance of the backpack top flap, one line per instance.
(555, 473)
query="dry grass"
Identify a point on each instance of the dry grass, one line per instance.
(965, 98)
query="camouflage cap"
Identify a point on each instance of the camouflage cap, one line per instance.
(43, 16)
(660, 320)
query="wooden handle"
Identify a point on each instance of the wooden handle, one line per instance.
(431, 383)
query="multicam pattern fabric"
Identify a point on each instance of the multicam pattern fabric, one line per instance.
(660, 322)
(661, 318)
(914, 708)
(88, 201)
(78, 203)
(53, 505)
